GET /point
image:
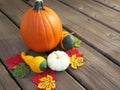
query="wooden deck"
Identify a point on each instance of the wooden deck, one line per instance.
(95, 22)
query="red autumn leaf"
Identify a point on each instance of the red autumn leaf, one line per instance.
(52, 73)
(36, 80)
(14, 61)
(40, 89)
(74, 51)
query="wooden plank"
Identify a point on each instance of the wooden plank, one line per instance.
(94, 33)
(11, 43)
(98, 72)
(8, 10)
(1, 87)
(100, 37)
(94, 63)
(6, 81)
(101, 69)
(66, 82)
(102, 14)
(115, 4)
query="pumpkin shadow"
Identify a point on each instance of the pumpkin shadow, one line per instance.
(44, 54)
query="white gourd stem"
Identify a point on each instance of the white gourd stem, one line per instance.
(72, 33)
(56, 55)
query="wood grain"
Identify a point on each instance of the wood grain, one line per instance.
(82, 75)
(115, 4)
(101, 13)
(6, 81)
(92, 32)
(97, 73)
(10, 9)
(12, 43)
(97, 35)
(1, 87)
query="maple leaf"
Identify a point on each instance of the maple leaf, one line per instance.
(21, 70)
(48, 77)
(14, 61)
(74, 51)
(76, 61)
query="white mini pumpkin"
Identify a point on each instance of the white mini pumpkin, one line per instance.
(58, 60)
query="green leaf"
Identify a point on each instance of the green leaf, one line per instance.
(21, 70)
(77, 42)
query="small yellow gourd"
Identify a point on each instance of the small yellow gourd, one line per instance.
(69, 41)
(37, 64)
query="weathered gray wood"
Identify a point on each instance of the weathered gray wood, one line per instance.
(11, 43)
(1, 87)
(6, 81)
(110, 3)
(105, 15)
(8, 9)
(98, 72)
(96, 66)
(66, 82)
(97, 35)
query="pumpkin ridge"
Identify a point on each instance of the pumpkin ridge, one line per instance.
(45, 30)
(56, 16)
(43, 36)
(51, 28)
(38, 29)
(26, 37)
(33, 28)
(58, 22)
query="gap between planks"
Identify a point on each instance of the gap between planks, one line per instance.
(91, 42)
(84, 81)
(95, 11)
(113, 4)
(25, 83)
(6, 81)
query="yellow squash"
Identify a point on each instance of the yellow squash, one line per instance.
(37, 64)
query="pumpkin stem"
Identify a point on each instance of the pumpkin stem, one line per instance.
(38, 5)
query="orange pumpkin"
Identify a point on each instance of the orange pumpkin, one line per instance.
(41, 28)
